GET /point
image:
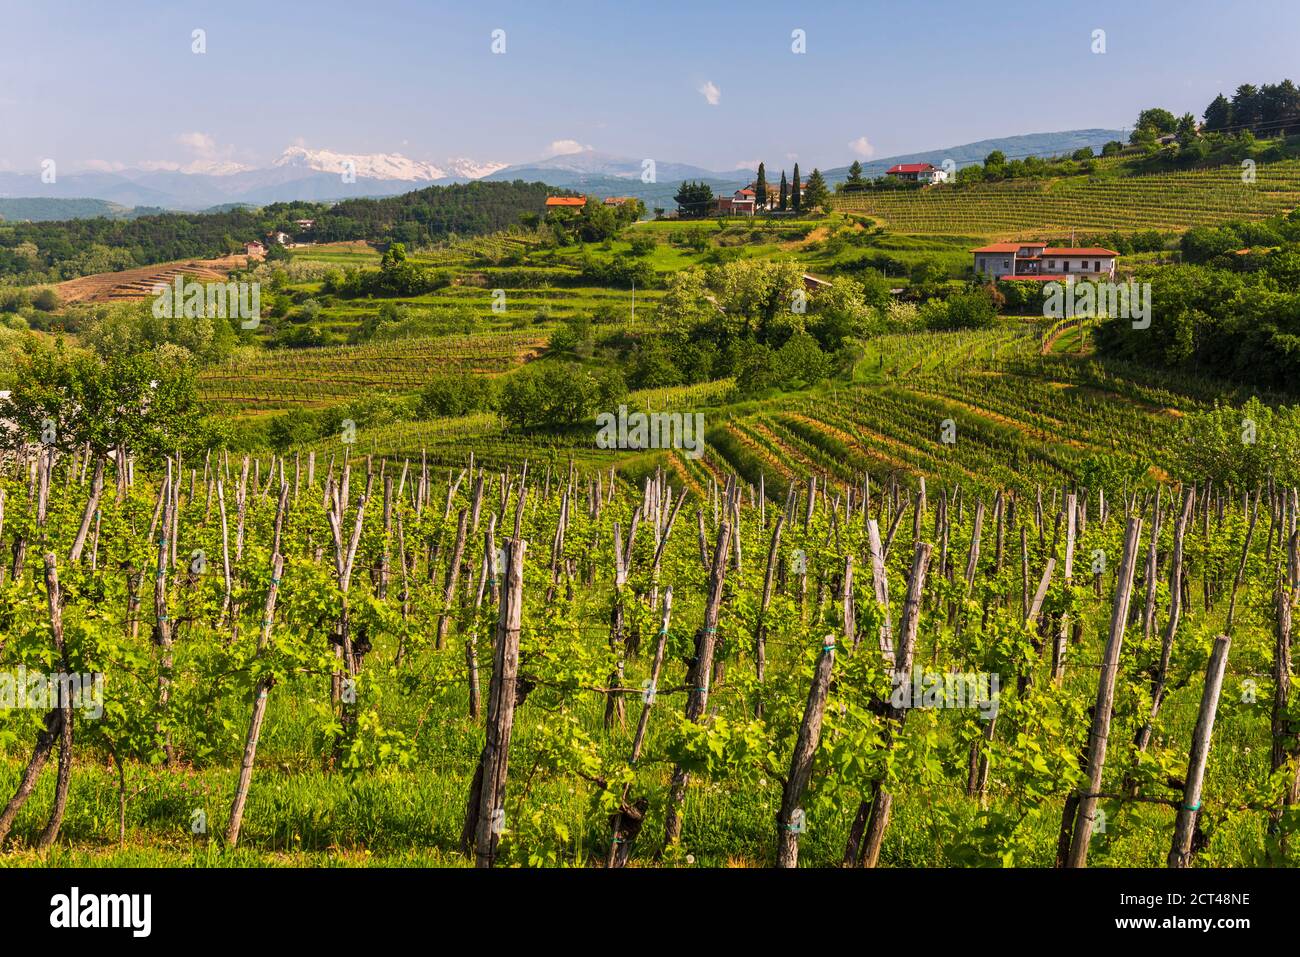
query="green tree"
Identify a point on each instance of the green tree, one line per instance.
(1218, 115)
(784, 201)
(1157, 119)
(760, 188)
(454, 393)
(816, 195)
(1247, 107)
(796, 199)
(854, 182)
(693, 198)
(145, 402)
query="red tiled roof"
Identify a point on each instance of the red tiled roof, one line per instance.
(911, 168)
(566, 200)
(1061, 251)
(1078, 251)
(1006, 247)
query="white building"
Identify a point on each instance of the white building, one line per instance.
(926, 173)
(1035, 260)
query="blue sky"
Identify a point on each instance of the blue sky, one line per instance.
(107, 83)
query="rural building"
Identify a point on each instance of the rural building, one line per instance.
(918, 173)
(305, 223)
(255, 250)
(619, 200)
(284, 239)
(739, 203)
(565, 202)
(771, 200)
(1035, 260)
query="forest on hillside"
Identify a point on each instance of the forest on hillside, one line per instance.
(53, 251)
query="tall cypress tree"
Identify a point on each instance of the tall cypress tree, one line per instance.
(760, 189)
(795, 199)
(785, 193)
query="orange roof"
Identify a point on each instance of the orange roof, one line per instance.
(1078, 251)
(617, 200)
(566, 200)
(1047, 250)
(1006, 247)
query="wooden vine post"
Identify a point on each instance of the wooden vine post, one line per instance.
(489, 819)
(789, 820)
(1180, 854)
(1087, 804)
(697, 680)
(628, 819)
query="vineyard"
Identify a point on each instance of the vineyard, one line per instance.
(837, 638)
(328, 374)
(1165, 201)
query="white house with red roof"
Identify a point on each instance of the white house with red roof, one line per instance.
(740, 203)
(918, 173)
(1039, 261)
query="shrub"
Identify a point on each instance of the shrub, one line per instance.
(455, 393)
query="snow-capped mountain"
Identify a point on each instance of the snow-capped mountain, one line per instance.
(460, 167)
(368, 165)
(298, 173)
(386, 166)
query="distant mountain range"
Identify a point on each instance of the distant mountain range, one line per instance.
(319, 176)
(1013, 147)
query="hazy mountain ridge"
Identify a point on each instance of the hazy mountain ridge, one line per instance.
(317, 176)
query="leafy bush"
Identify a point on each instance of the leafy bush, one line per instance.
(455, 393)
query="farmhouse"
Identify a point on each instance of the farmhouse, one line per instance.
(771, 200)
(918, 173)
(562, 202)
(740, 203)
(255, 250)
(618, 200)
(1035, 260)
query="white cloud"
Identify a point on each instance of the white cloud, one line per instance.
(208, 157)
(201, 143)
(862, 148)
(711, 93)
(565, 147)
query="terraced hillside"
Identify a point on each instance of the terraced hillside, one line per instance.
(1165, 201)
(265, 379)
(136, 284)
